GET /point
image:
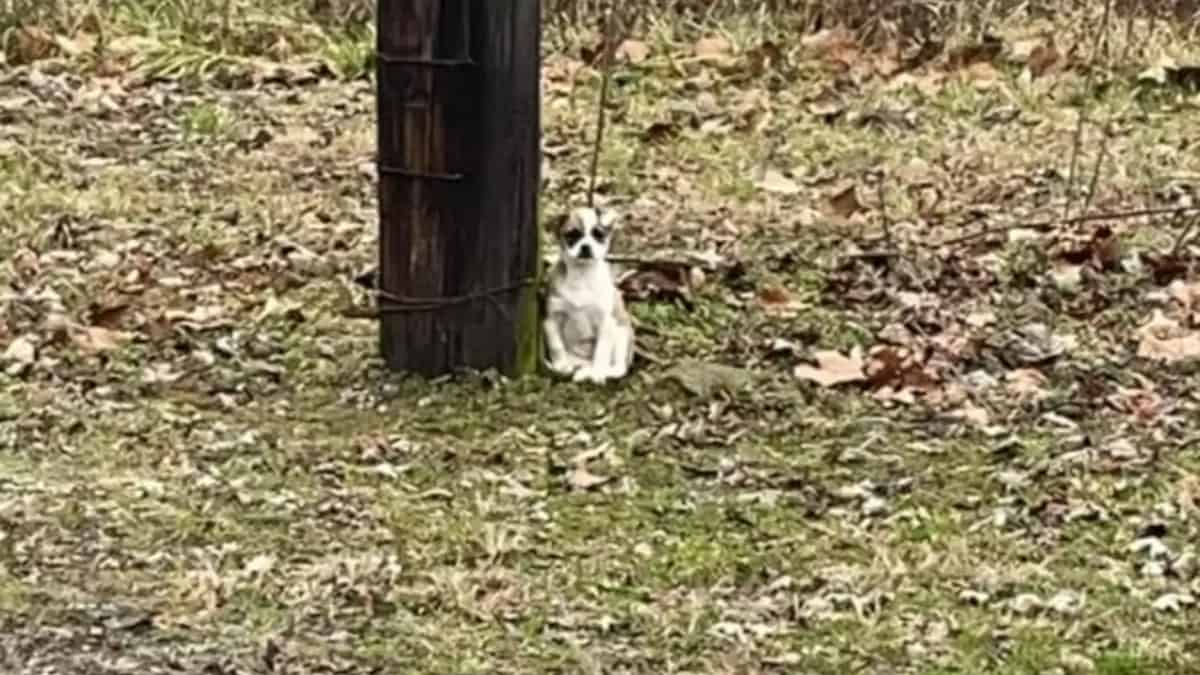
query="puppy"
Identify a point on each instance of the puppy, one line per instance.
(589, 335)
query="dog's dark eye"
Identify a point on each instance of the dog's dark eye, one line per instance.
(572, 236)
(599, 234)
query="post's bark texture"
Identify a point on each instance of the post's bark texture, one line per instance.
(458, 143)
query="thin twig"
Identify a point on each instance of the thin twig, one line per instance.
(887, 220)
(1054, 222)
(1077, 141)
(608, 56)
(1128, 35)
(1091, 191)
(612, 43)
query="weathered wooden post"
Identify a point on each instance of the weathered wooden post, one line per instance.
(458, 149)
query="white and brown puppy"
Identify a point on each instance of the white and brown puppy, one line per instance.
(588, 332)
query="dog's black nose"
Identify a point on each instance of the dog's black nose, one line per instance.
(585, 252)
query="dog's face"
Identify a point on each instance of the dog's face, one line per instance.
(585, 234)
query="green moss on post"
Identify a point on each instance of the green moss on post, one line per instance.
(529, 333)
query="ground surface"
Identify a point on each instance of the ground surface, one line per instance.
(203, 467)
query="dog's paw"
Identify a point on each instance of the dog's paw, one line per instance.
(563, 366)
(589, 374)
(616, 372)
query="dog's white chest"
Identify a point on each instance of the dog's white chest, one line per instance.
(585, 303)
(581, 321)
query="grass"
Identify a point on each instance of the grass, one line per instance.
(206, 468)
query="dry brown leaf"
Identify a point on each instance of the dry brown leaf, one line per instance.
(582, 479)
(1144, 403)
(1183, 348)
(982, 75)
(974, 414)
(1026, 383)
(94, 339)
(774, 295)
(928, 84)
(980, 319)
(845, 202)
(837, 45)
(765, 57)
(1042, 59)
(711, 47)
(81, 43)
(21, 351)
(29, 44)
(633, 51)
(198, 318)
(1163, 339)
(971, 55)
(777, 300)
(259, 564)
(1187, 295)
(774, 181)
(109, 316)
(899, 369)
(833, 368)
(657, 281)
(1159, 326)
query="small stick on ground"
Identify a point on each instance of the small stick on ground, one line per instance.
(1077, 141)
(889, 242)
(1043, 225)
(1091, 191)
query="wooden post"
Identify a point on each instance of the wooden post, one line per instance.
(459, 159)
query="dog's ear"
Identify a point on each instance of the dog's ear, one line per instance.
(555, 224)
(609, 218)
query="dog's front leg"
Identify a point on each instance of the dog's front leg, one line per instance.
(598, 370)
(621, 351)
(559, 361)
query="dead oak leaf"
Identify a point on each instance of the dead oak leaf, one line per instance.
(845, 202)
(1184, 348)
(973, 414)
(898, 368)
(767, 56)
(197, 318)
(711, 48)
(1143, 403)
(1027, 383)
(108, 315)
(980, 319)
(1188, 297)
(633, 51)
(95, 339)
(982, 75)
(833, 368)
(29, 44)
(580, 478)
(970, 55)
(1163, 339)
(774, 181)
(777, 300)
(657, 281)
(837, 46)
(1042, 59)
(20, 351)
